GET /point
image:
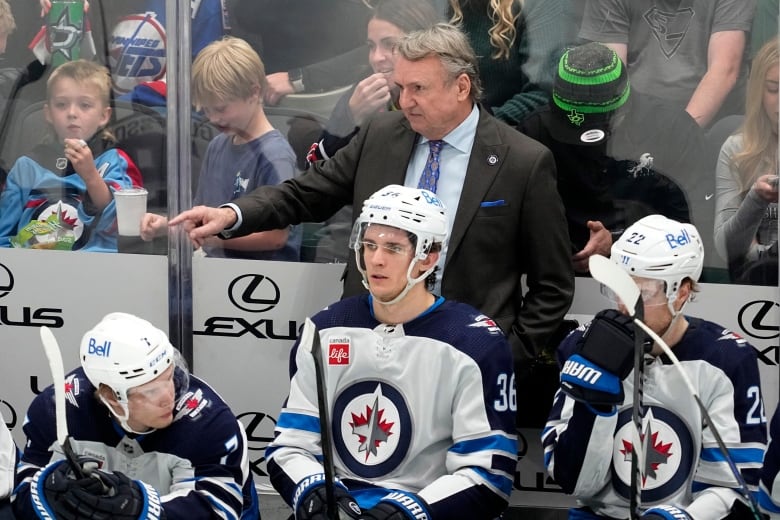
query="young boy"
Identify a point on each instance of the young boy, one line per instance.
(228, 80)
(60, 195)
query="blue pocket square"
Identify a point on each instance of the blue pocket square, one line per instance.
(492, 203)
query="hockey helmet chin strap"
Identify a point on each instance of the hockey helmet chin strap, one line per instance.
(123, 418)
(410, 282)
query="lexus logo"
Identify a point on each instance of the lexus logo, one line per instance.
(759, 319)
(8, 414)
(6, 280)
(254, 293)
(259, 428)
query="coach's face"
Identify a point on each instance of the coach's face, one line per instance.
(432, 101)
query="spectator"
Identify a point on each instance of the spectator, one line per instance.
(516, 49)
(506, 216)
(228, 81)
(412, 441)
(134, 44)
(308, 45)
(161, 438)
(60, 195)
(376, 93)
(746, 180)
(588, 439)
(9, 456)
(619, 155)
(689, 54)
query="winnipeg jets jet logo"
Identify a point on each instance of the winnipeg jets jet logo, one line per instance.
(371, 428)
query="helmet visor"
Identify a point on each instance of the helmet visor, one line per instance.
(653, 293)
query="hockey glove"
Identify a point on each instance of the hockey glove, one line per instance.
(310, 501)
(666, 512)
(52, 482)
(123, 499)
(603, 357)
(742, 511)
(398, 505)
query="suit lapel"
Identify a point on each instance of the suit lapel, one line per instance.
(487, 158)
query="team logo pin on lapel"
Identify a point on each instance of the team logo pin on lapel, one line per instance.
(492, 159)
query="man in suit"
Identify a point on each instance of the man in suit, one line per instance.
(507, 218)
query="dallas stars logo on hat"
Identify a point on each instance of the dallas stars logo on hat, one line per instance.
(576, 118)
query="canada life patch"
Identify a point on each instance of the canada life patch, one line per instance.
(338, 351)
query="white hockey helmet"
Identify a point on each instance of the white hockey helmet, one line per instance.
(417, 211)
(659, 248)
(124, 351)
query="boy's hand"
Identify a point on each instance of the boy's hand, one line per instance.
(80, 156)
(46, 5)
(153, 225)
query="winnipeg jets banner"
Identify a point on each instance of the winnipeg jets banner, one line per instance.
(69, 293)
(246, 317)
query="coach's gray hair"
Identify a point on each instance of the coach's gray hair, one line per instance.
(451, 46)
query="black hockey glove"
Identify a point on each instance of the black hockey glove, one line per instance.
(398, 505)
(52, 482)
(310, 501)
(603, 357)
(121, 499)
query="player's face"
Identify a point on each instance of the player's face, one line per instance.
(771, 96)
(382, 37)
(433, 102)
(151, 405)
(387, 252)
(75, 109)
(235, 117)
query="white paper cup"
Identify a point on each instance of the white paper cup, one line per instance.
(130, 209)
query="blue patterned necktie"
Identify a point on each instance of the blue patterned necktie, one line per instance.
(430, 175)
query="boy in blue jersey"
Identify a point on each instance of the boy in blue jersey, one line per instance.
(228, 80)
(155, 441)
(420, 389)
(60, 195)
(684, 475)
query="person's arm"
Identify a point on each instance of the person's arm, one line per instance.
(11, 204)
(577, 454)
(769, 491)
(8, 458)
(484, 450)
(599, 243)
(547, 253)
(260, 241)
(737, 215)
(118, 171)
(724, 61)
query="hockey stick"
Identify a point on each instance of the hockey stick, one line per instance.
(618, 280)
(631, 297)
(52, 350)
(310, 337)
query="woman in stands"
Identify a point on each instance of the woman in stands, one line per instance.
(747, 177)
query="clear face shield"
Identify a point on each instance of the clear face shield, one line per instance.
(653, 293)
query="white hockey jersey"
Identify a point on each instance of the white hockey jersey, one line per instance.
(8, 457)
(682, 458)
(425, 407)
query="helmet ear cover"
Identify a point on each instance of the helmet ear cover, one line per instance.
(659, 248)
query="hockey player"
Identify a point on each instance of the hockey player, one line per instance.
(165, 444)
(420, 389)
(769, 493)
(8, 459)
(683, 473)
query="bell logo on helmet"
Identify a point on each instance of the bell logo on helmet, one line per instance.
(431, 199)
(95, 349)
(680, 240)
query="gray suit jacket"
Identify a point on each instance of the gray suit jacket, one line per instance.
(491, 246)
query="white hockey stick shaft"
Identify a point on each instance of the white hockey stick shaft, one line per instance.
(611, 275)
(52, 350)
